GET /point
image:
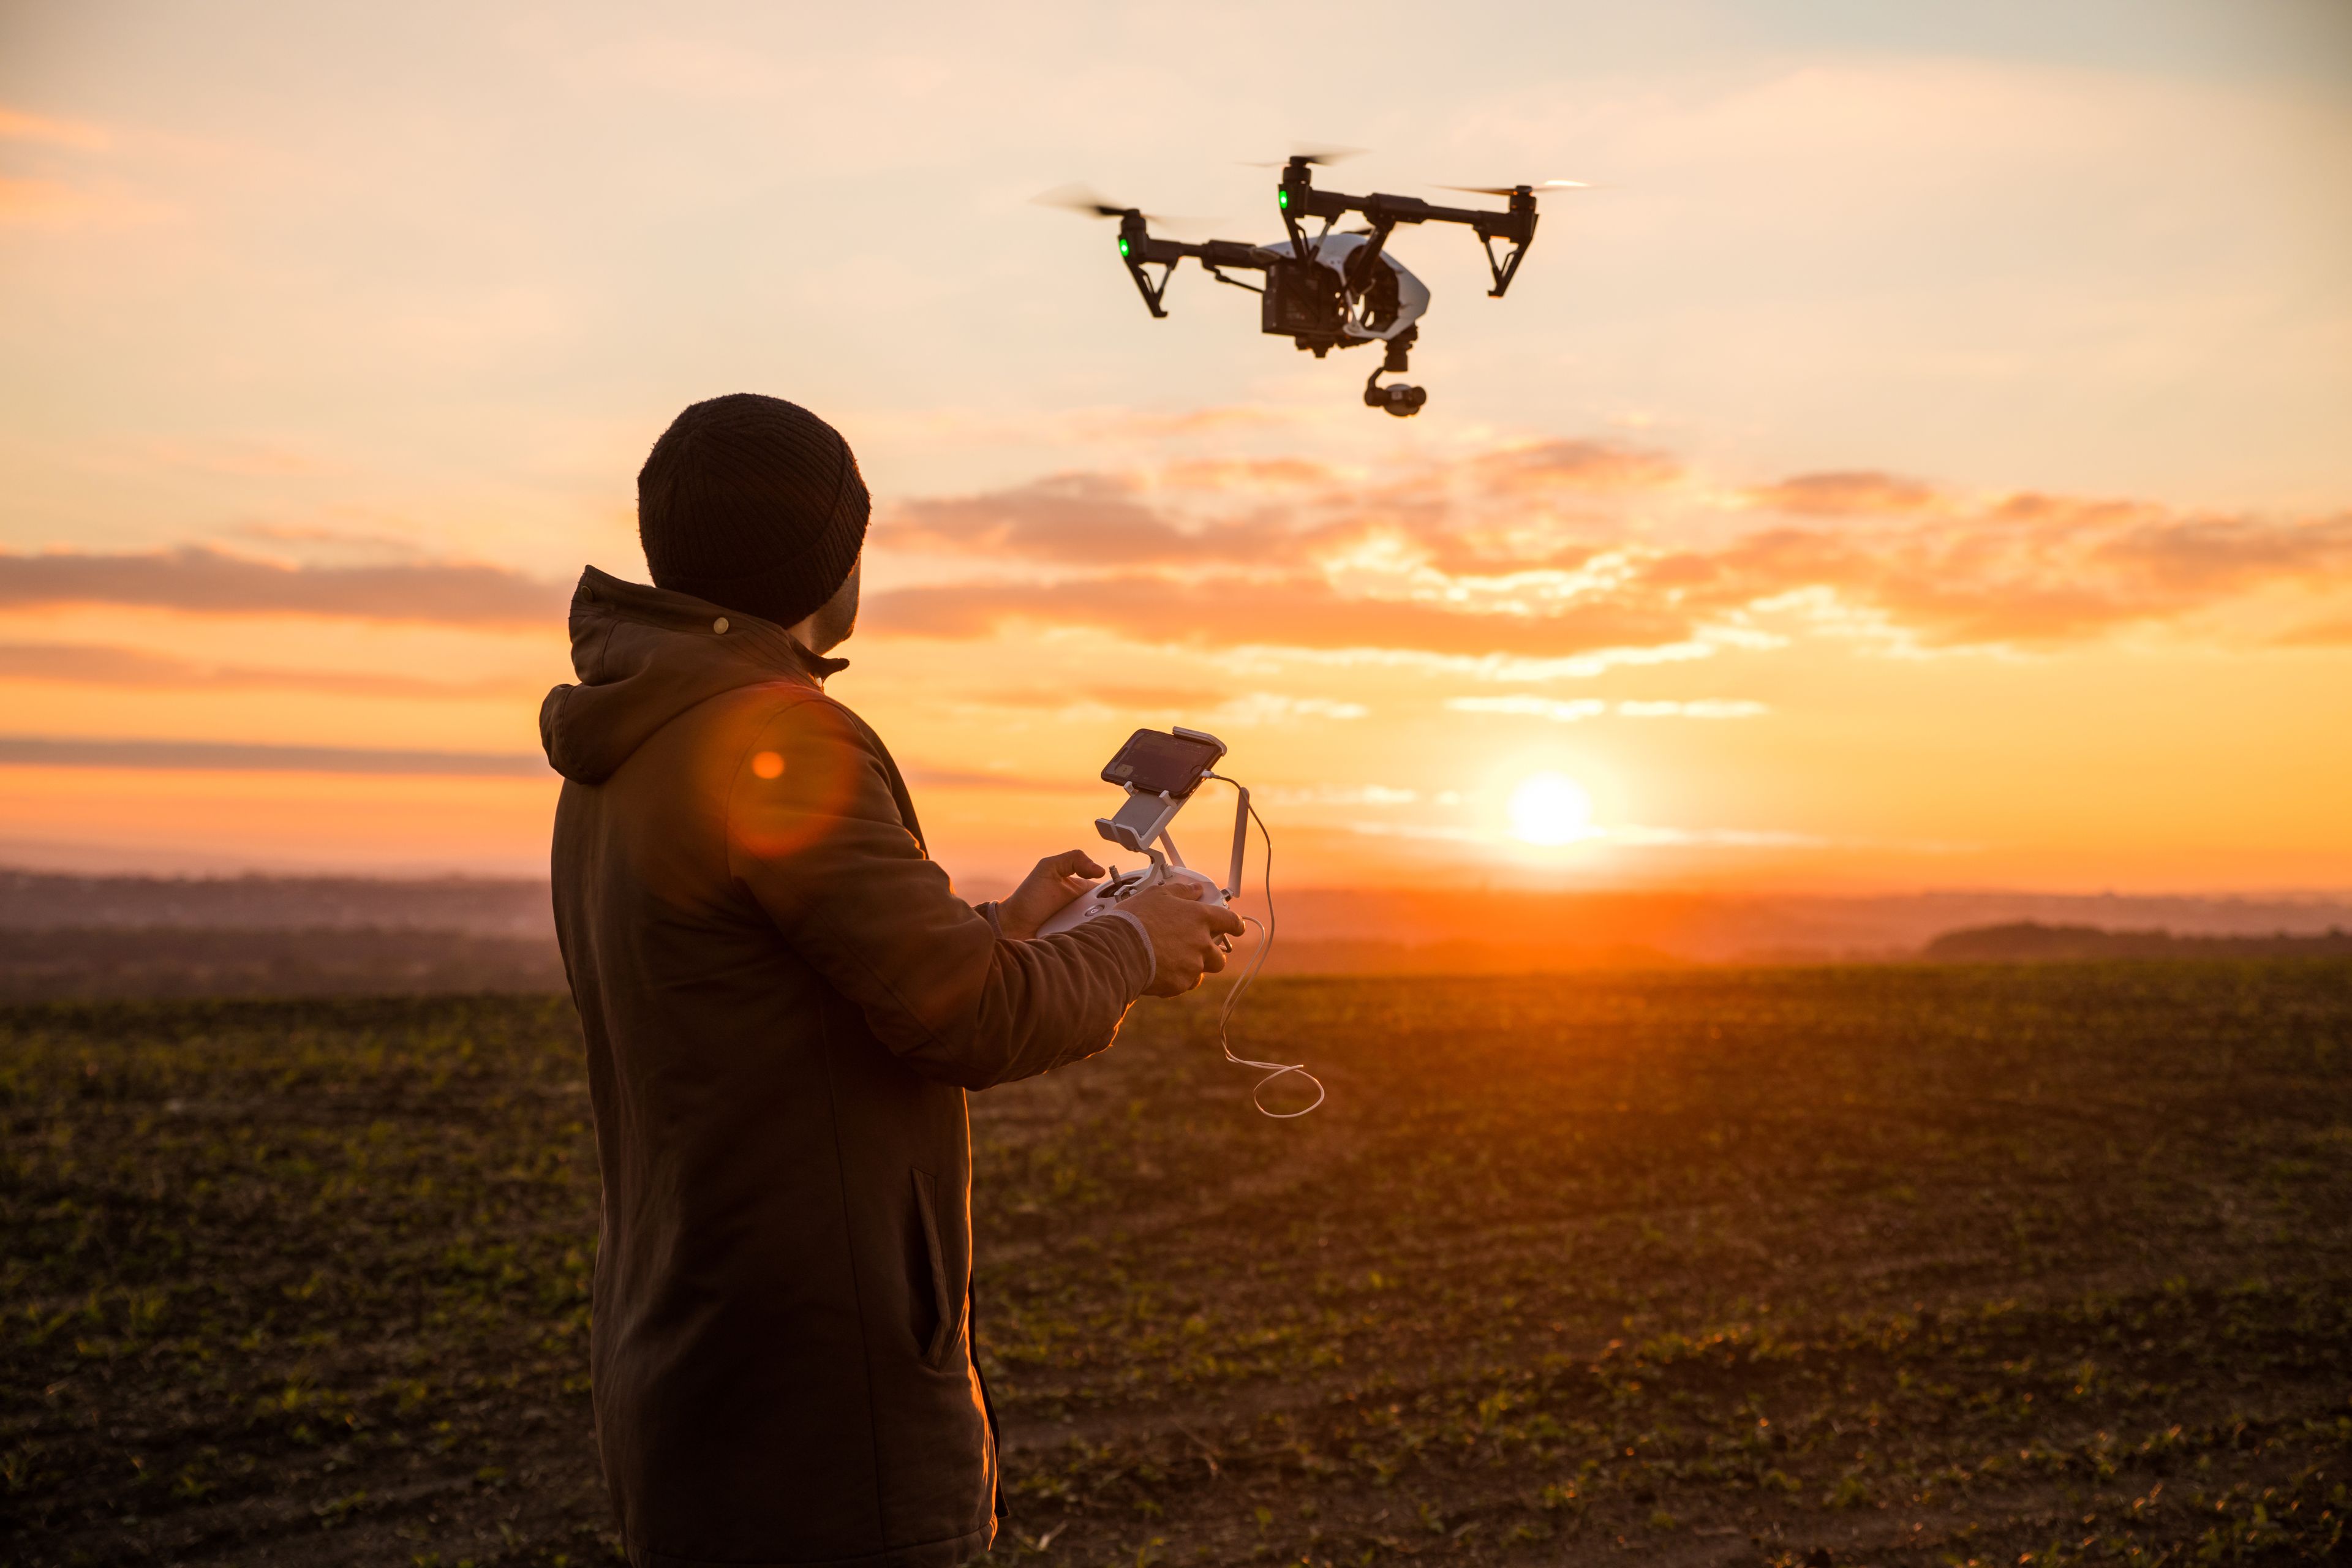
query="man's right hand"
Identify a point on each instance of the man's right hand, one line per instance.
(1184, 932)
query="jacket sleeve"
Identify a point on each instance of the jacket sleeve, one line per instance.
(814, 835)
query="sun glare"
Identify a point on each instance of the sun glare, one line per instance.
(1550, 808)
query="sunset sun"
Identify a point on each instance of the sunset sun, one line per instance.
(1550, 808)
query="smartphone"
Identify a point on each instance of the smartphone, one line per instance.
(1158, 762)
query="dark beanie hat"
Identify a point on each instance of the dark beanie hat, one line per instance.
(753, 503)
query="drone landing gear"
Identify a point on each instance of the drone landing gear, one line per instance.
(1401, 401)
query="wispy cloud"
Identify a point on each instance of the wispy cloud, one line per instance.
(2319, 634)
(1704, 708)
(1570, 711)
(1273, 708)
(222, 756)
(1575, 710)
(206, 581)
(30, 202)
(1563, 549)
(1853, 493)
(1526, 561)
(1291, 612)
(83, 664)
(21, 125)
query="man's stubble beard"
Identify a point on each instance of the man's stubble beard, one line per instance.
(830, 626)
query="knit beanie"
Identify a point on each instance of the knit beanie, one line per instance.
(752, 504)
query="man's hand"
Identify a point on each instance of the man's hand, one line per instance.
(1184, 932)
(1046, 892)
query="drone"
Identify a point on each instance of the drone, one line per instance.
(1334, 290)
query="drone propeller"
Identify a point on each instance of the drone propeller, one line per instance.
(1093, 204)
(1520, 190)
(1083, 199)
(1310, 154)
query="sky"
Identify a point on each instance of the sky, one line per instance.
(1921, 458)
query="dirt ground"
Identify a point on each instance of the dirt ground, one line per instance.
(1862, 1265)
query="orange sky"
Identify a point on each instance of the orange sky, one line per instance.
(1924, 460)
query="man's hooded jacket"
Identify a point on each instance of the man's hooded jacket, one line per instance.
(783, 1003)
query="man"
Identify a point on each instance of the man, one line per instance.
(784, 1003)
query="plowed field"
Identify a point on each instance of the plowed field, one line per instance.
(1855, 1265)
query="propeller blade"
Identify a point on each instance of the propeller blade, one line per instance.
(1313, 154)
(1084, 199)
(1080, 199)
(1515, 190)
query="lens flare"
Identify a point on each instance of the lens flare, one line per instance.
(1550, 808)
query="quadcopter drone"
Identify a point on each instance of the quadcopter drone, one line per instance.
(1333, 291)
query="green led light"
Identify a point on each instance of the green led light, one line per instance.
(1281, 200)
(1122, 247)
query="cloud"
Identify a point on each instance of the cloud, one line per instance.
(1091, 701)
(1559, 712)
(2318, 633)
(2201, 556)
(17, 125)
(1126, 698)
(1849, 493)
(1527, 563)
(224, 756)
(1081, 519)
(33, 203)
(1705, 708)
(1271, 707)
(2041, 575)
(1292, 612)
(1576, 466)
(1009, 784)
(82, 664)
(1577, 710)
(1560, 549)
(1346, 795)
(202, 580)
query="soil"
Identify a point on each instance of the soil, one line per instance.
(1899, 1265)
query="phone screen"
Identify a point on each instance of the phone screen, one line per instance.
(1156, 763)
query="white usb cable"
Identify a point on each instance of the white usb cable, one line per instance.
(1273, 1070)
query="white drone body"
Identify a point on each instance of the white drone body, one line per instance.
(1367, 321)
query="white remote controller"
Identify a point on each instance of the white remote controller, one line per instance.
(1123, 886)
(1159, 771)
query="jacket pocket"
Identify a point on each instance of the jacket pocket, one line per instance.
(927, 1283)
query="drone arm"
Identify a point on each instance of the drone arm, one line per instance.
(1216, 255)
(1515, 226)
(1139, 249)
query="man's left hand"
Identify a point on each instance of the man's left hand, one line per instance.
(1046, 892)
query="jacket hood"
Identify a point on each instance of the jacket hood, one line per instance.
(644, 655)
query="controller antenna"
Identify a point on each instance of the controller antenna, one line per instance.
(1241, 840)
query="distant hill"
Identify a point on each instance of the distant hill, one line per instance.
(2031, 941)
(484, 906)
(96, 963)
(63, 934)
